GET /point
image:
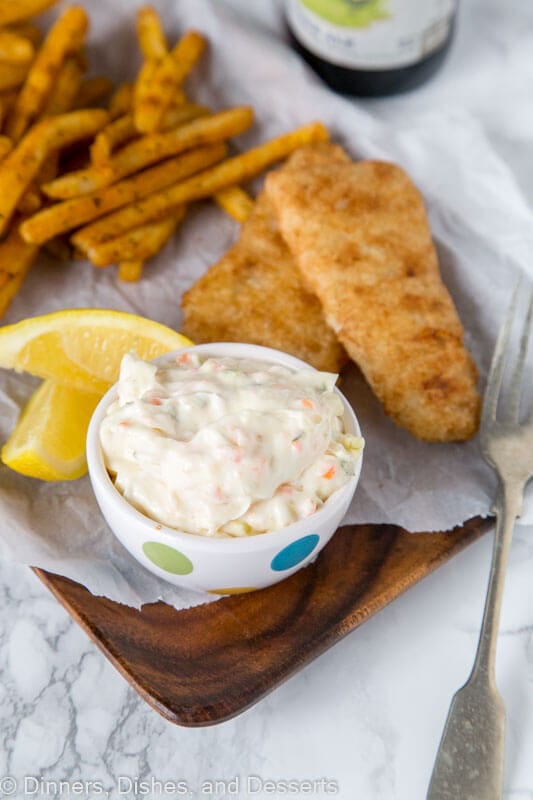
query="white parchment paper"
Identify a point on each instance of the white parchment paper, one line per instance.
(481, 223)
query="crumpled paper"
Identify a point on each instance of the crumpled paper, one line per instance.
(481, 224)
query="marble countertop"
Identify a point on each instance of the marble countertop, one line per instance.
(364, 720)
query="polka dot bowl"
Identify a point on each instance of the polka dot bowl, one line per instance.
(211, 564)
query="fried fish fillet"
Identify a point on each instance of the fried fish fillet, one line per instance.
(361, 238)
(254, 294)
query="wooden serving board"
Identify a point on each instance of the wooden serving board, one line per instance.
(206, 664)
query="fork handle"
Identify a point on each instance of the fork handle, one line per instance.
(507, 507)
(469, 763)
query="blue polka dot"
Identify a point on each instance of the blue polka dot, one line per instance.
(294, 552)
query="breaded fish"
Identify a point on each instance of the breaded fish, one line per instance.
(361, 238)
(254, 294)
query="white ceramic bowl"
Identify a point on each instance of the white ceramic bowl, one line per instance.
(218, 565)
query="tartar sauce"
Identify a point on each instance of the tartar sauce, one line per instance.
(226, 446)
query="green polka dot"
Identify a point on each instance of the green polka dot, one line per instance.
(167, 558)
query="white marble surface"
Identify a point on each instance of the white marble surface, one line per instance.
(368, 714)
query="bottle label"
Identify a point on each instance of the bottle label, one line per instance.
(371, 34)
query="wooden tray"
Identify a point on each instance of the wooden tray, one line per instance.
(206, 664)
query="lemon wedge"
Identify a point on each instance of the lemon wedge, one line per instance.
(78, 353)
(49, 439)
(82, 347)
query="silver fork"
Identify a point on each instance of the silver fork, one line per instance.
(469, 763)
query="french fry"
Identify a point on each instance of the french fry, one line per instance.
(150, 34)
(16, 257)
(14, 48)
(15, 253)
(232, 172)
(65, 129)
(12, 75)
(137, 245)
(151, 149)
(122, 101)
(21, 166)
(143, 84)
(130, 271)
(186, 53)
(180, 113)
(5, 146)
(235, 202)
(71, 214)
(154, 48)
(10, 284)
(62, 99)
(119, 131)
(93, 91)
(165, 80)
(65, 89)
(64, 38)
(17, 10)
(123, 129)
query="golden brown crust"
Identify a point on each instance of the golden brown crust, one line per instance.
(254, 294)
(361, 238)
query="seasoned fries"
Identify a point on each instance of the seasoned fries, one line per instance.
(119, 131)
(130, 271)
(70, 214)
(229, 173)
(138, 244)
(15, 48)
(151, 149)
(235, 202)
(154, 48)
(122, 189)
(17, 10)
(122, 130)
(142, 86)
(16, 257)
(22, 165)
(165, 79)
(122, 101)
(65, 37)
(36, 154)
(66, 88)
(150, 34)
